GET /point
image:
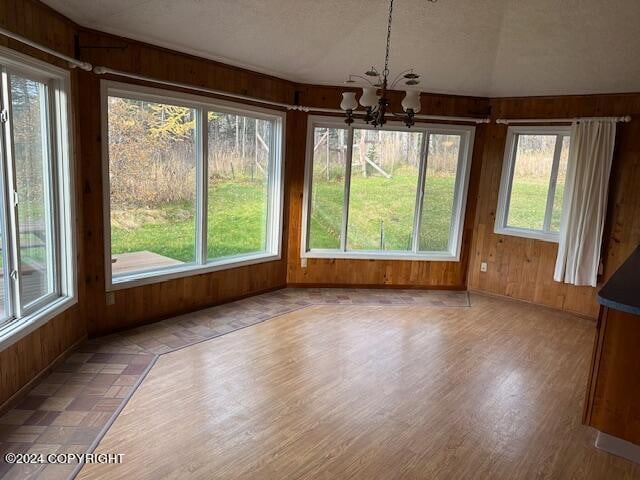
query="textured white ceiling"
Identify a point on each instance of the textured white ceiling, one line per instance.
(468, 47)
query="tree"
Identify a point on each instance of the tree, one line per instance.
(151, 153)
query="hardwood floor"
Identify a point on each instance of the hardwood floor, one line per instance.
(494, 390)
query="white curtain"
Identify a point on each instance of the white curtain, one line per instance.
(585, 201)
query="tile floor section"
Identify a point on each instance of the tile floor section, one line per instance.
(72, 407)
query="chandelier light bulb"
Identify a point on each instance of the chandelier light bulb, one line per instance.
(411, 101)
(349, 101)
(369, 97)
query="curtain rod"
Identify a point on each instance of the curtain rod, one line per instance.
(72, 61)
(98, 70)
(417, 117)
(507, 121)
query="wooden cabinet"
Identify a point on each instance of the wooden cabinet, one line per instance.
(612, 403)
(613, 393)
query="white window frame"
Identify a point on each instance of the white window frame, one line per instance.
(467, 135)
(506, 181)
(275, 185)
(60, 191)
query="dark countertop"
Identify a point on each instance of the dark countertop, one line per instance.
(622, 291)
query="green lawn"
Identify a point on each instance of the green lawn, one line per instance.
(235, 221)
(236, 217)
(375, 200)
(528, 205)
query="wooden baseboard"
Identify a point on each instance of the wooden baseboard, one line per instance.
(26, 388)
(159, 318)
(377, 286)
(541, 305)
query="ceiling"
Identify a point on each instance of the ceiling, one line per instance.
(468, 47)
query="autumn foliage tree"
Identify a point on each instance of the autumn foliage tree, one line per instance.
(151, 153)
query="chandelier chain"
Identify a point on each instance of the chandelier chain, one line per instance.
(385, 72)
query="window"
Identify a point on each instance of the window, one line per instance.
(238, 184)
(378, 173)
(390, 192)
(327, 198)
(532, 186)
(193, 185)
(152, 178)
(36, 227)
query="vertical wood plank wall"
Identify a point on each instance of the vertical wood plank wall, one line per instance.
(523, 268)
(517, 267)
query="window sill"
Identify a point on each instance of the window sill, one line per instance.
(15, 330)
(157, 276)
(533, 234)
(371, 255)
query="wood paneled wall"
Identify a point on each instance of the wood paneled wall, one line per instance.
(38, 22)
(102, 49)
(32, 354)
(523, 268)
(374, 273)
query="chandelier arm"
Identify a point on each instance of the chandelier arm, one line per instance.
(398, 115)
(363, 78)
(399, 76)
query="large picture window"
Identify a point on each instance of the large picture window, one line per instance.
(193, 185)
(532, 186)
(385, 193)
(36, 227)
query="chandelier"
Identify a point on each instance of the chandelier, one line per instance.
(377, 106)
